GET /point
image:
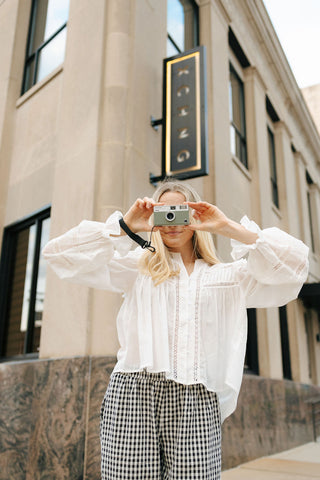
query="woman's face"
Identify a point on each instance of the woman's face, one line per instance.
(176, 237)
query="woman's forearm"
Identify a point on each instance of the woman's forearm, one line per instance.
(232, 229)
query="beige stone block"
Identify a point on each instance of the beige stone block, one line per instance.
(114, 121)
(73, 191)
(110, 176)
(36, 131)
(239, 187)
(65, 325)
(3, 101)
(103, 330)
(80, 96)
(30, 194)
(119, 15)
(118, 55)
(8, 17)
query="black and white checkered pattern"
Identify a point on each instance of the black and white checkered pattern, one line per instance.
(152, 428)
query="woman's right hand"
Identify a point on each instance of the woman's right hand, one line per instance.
(137, 217)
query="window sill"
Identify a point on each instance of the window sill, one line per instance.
(315, 256)
(29, 93)
(28, 357)
(241, 167)
(276, 211)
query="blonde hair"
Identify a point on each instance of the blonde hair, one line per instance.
(159, 264)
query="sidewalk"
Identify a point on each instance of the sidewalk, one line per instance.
(301, 463)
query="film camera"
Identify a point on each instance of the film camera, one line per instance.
(171, 215)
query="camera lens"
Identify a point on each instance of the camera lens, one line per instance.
(170, 216)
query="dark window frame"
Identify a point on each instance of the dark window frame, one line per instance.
(8, 254)
(252, 358)
(30, 56)
(237, 49)
(310, 212)
(241, 137)
(285, 343)
(313, 247)
(273, 167)
(196, 29)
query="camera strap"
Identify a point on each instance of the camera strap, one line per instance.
(136, 238)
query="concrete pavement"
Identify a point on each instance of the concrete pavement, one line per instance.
(300, 463)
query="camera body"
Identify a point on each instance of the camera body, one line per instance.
(170, 215)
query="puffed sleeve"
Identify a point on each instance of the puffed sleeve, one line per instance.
(275, 269)
(88, 254)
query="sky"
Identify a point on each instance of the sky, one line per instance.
(297, 24)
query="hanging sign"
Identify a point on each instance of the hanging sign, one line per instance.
(184, 122)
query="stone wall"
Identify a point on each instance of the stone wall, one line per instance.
(272, 416)
(49, 418)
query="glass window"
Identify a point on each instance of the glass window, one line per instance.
(251, 363)
(285, 345)
(23, 282)
(182, 26)
(312, 211)
(238, 143)
(310, 221)
(47, 39)
(273, 168)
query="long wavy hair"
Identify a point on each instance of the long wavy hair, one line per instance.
(159, 264)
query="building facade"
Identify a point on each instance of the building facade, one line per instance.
(80, 82)
(311, 95)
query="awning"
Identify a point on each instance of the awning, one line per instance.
(310, 295)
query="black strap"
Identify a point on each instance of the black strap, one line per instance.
(143, 243)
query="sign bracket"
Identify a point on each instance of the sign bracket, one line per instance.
(155, 123)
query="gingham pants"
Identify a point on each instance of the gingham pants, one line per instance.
(156, 429)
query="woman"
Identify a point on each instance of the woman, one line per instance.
(181, 327)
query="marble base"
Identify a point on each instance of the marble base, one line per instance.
(50, 412)
(271, 416)
(49, 418)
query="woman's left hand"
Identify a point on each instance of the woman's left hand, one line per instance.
(212, 219)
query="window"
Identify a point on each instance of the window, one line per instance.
(251, 363)
(313, 222)
(310, 221)
(285, 345)
(312, 362)
(182, 26)
(22, 285)
(237, 117)
(46, 40)
(273, 168)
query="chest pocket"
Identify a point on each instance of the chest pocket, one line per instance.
(219, 300)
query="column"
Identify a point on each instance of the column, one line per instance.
(14, 22)
(67, 320)
(258, 159)
(128, 148)
(214, 22)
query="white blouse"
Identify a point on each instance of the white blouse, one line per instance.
(193, 328)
